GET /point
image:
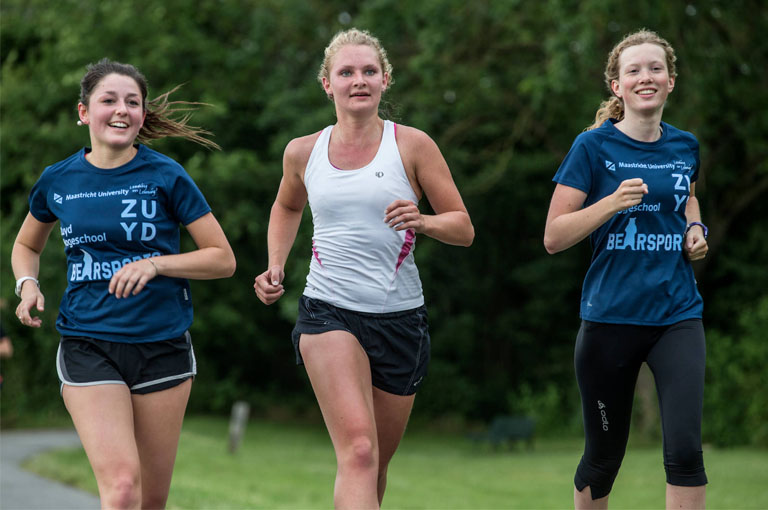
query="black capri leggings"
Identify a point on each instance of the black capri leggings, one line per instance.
(607, 360)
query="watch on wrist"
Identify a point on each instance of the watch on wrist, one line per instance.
(21, 281)
(697, 224)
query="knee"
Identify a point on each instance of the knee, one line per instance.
(123, 491)
(361, 453)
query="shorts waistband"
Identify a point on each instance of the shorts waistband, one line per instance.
(371, 315)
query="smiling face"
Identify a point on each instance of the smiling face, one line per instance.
(356, 80)
(644, 81)
(114, 113)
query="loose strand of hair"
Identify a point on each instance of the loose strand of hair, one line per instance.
(390, 111)
(162, 121)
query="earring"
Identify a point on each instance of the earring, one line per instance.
(79, 122)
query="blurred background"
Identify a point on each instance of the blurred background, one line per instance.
(503, 87)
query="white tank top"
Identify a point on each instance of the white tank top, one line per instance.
(358, 262)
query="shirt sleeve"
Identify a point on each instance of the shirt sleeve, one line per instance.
(38, 200)
(576, 169)
(187, 201)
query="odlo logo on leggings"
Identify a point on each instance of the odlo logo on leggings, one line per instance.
(603, 415)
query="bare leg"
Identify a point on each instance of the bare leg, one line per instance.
(691, 498)
(392, 412)
(157, 420)
(583, 500)
(340, 374)
(103, 417)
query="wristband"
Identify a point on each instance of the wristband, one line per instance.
(697, 224)
(21, 281)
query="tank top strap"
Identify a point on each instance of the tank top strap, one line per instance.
(319, 154)
(388, 138)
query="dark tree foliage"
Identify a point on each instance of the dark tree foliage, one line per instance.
(502, 86)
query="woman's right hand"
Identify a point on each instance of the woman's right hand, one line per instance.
(629, 193)
(269, 285)
(31, 297)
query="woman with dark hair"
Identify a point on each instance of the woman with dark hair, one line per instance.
(125, 359)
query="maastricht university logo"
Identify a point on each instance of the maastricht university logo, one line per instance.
(137, 189)
(678, 165)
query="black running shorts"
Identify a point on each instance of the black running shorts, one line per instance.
(397, 343)
(143, 367)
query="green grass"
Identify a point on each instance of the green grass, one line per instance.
(293, 466)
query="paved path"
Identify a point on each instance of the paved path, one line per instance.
(22, 490)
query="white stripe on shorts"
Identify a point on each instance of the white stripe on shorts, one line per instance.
(64, 381)
(160, 381)
(174, 377)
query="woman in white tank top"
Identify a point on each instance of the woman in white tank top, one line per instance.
(363, 178)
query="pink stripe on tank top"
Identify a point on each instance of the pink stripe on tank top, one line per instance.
(410, 235)
(314, 252)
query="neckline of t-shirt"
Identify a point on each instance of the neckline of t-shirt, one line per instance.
(662, 125)
(364, 167)
(115, 170)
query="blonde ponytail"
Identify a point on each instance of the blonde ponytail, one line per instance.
(612, 108)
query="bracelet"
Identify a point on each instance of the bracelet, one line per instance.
(157, 272)
(697, 224)
(21, 281)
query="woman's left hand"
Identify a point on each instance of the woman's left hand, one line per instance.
(404, 214)
(132, 278)
(696, 247)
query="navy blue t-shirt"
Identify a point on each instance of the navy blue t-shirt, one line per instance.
(638, 274)
(109, 218)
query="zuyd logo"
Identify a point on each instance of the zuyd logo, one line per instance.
(603, 415)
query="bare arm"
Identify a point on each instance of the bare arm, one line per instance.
(284, 219)
(212, 259)
(568, 223)
(695, 243)
(25, 259)
(423, 161)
